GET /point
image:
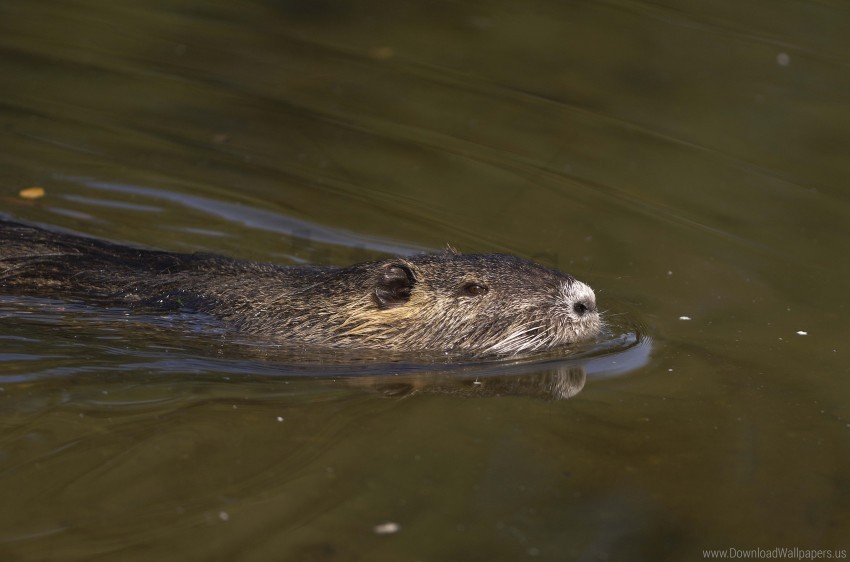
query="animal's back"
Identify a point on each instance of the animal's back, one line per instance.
(45, 262)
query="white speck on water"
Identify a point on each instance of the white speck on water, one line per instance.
(669, 370)
(782, 59)
(387, 528)
(280, 418)
(669, 273)
(224, 516)
(684, 317)
(802, 333)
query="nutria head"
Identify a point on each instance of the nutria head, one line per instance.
(479, 303)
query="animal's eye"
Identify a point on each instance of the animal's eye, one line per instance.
(475, 289)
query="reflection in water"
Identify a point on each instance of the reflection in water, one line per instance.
(553, 379)
(549, 384)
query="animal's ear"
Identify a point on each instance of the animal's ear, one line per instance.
(395, 281)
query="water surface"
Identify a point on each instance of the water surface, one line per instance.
(687, 160)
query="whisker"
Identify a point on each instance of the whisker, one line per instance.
(519, 340)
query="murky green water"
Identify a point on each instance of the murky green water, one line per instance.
(687, 159)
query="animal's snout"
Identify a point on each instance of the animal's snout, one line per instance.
(584, 306)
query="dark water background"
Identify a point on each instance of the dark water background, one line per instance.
(684, 158)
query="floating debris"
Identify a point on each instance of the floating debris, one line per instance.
(32, 193)
(387, 528)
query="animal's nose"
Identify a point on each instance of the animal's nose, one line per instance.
(584, 306)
